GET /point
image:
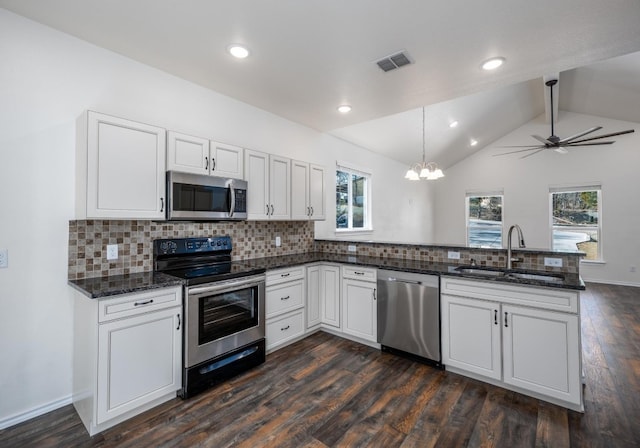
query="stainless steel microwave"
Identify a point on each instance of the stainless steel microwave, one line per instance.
(195, 197)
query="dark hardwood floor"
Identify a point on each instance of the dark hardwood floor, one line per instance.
(325, 391)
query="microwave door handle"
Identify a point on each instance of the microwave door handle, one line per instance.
(233, 200)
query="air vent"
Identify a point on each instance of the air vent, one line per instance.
(394, 61)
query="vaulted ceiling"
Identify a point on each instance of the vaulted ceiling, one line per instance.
(308, 57)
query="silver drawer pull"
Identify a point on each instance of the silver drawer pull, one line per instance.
(285, 328)
(358, 273)
(285, 275)
(285, 298)
(143, 303)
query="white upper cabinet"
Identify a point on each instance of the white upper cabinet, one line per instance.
(269, 188)
(197, 155)
(226, 160)
(307, 191)
(187, 153)
(120, 168)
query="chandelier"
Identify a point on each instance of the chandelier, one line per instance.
(424, 169)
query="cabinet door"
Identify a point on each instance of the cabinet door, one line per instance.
(542, 352)
(256, 173)
(300, 208)
(187, 154)
(330, 295)
(125, 169)
(280, 187)
(227, 160)
(359, 309)
(317, 192)
(313, 296)
(139, 360)
(471, 335)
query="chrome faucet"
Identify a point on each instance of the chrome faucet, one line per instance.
(520, 244)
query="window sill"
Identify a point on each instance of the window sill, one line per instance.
(353, 232)
(593, 262)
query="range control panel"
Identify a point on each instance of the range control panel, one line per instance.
(192, 245)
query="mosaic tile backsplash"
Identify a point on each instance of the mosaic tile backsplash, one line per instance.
(88, 241)
(531, 260)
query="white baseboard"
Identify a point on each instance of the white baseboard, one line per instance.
(35, 412)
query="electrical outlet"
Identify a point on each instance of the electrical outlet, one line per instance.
(453, 255)
(351, 248)
(553, 262)
(112, 251)
(278, 241)
(4, 258)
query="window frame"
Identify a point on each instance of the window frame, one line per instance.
(367, 203)
(480, 194)
(597, 228)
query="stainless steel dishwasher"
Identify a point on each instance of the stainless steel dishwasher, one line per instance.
(409, 314)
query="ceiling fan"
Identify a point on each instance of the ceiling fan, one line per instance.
(561, 144)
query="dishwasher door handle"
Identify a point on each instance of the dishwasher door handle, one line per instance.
(399, 280)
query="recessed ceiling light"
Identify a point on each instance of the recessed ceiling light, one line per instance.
(344, 109)
(453, 124)
(493, 63)
(473, 142)
(238, 51)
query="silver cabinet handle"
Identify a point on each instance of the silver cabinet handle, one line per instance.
(506, 323)
(143, 303)
(213, 164)
(308, 211)
(285, 328)
(267, 209)
(161, 205)
(358, 273)
(271, 209)
(206, 163)
(285, 298)
(495, 317)
(311, 211)
(375, 294)
(178, 321)
(285, 275)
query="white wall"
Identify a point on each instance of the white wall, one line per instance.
(46, 80)
(526, 185)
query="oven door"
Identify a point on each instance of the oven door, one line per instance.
(223, 316)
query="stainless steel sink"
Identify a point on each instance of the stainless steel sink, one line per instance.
(510, 274)
(480, 271)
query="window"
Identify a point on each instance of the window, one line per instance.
(484, 220)
(575, 220)
(353, 199)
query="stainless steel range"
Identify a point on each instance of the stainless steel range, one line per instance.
(224, 312)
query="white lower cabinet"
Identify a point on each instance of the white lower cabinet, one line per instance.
(523, 338)
(127, 355)
(285, 306)
(359, 303)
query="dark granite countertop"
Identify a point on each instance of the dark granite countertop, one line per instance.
(101, 287)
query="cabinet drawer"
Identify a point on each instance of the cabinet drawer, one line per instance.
(285, 275)
(285, 328)
(138, 303)
(358, 273)
(284, 297)
(547, 298)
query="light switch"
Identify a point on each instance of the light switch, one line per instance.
(4, 258)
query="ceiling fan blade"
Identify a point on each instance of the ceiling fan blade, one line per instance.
(520, 150)
(613, 134)
(542, 140)
(573, 137)
(533, 153)
(518, 146)
(571, 145)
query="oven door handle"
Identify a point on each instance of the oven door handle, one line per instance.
(225, 286)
